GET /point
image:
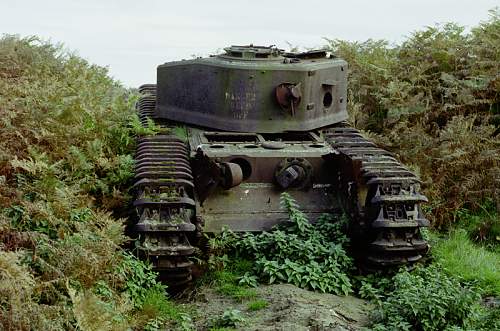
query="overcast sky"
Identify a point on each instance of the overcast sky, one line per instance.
(132, 37)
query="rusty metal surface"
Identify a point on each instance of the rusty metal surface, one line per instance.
(381, 195)
(288, 97)
(256, 206)
(262, 153)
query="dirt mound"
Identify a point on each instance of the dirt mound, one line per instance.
(289, 308)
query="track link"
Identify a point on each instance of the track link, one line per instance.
(382, 198)
(164, 200)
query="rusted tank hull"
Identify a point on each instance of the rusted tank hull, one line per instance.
(255, 207)
(254, 204)
(186, 188)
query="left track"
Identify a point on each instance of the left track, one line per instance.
(164, 198)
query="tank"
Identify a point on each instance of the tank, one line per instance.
(240, 128)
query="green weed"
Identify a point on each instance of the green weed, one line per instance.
(300, 253)
(427, 299)
(248, 280)
(230, 318)
(227, 283)
(181, 132)
(234, 279)
(161, 312)
(140, 284)
(138, 129)
(236, 292)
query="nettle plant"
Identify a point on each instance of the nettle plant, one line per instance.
(310, 256)
(428, 299)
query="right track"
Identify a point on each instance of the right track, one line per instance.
(381, 197)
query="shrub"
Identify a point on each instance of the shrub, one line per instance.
(427, 299)
(66, 140)
(483, 226)
(298, 252)
(434, 100)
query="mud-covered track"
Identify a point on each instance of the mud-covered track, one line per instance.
(382, 198)
(164, 199)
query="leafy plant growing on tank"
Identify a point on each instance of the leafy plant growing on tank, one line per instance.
(151, 129)
(310, 256)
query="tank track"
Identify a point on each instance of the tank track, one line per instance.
(164, 199)
(382, 199)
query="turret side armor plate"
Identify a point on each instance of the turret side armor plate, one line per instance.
(254, 90)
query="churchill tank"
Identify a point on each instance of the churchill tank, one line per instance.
(239, 128)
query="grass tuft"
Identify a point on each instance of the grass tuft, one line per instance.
(470, 262)
(238, 293)
(257, 305)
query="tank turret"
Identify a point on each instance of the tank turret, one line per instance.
(254, 89)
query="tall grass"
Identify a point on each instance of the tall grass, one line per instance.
(462, 258)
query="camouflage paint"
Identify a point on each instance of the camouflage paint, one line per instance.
(238, 94)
